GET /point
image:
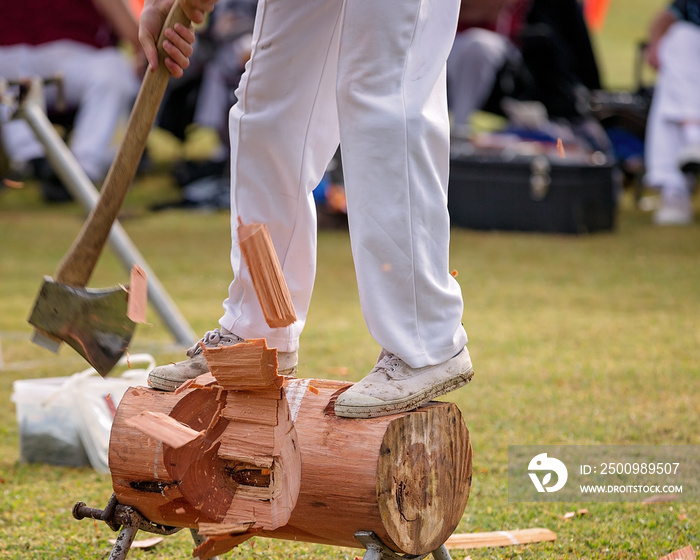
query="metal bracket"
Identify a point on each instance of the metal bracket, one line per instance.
(116, 515)
(377, 550)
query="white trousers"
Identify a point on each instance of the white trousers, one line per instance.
(101, 83)
(370, 75)
(676, 99)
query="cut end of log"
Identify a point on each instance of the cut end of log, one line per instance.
(230, 466)
(266, 273)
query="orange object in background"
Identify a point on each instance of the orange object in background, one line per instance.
(595, 12)
(136, 7)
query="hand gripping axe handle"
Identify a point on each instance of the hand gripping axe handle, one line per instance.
(92, 321)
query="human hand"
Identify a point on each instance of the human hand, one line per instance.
(178, 40)
(651, 55)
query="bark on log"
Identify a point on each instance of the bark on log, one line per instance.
(405, 477)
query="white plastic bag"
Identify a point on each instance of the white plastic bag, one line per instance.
(96, 401)
(67, 420)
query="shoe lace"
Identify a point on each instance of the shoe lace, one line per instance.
(214, 338)
(388, 363)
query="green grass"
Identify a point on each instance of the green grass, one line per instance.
(585, 340)
(575, 340)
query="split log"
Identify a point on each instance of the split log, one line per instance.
(406, 477)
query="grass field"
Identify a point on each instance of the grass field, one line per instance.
(575, 340)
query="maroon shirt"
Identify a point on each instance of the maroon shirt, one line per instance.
(34, 22)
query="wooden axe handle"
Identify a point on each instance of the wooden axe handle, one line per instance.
(77, 265)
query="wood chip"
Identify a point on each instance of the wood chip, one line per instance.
(266, 273)
(244, 366)
(143, 543)
(499, 538)
(224, 529)
(163, 428)
(214, 546)
(660, 498)
(13, 184)
(182, 388)
(560, 148)
(138, 295)
(687, 553)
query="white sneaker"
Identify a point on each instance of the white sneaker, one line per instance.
(393, 386)
(171, 376)
(674, 211)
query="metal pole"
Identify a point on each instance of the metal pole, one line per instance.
(441, 553)
(123, 545)
(80, 186)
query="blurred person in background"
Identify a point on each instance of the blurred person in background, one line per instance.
(486, 41)
(511, 53)
(672, 147)
(77, 40)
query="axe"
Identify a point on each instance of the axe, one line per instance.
(94, 321)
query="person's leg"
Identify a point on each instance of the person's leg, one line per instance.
(394, 130)
(18, 62)
(675, 102)
(102, 84)
(284, 131)
(475, 59)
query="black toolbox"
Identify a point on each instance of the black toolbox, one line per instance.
(542, 192)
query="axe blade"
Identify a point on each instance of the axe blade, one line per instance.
(92, 321)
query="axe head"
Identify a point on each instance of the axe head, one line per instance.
(94, 322)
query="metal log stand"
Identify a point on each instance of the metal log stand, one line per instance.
(117, 516)
(377, 550)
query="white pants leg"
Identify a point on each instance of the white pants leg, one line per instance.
(99, 82)
(476, 57)
(371, 74)
(676, 99)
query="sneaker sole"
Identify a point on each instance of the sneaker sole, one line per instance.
(164, 384)
(405, 405)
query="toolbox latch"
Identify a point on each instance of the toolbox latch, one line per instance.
(540, 178)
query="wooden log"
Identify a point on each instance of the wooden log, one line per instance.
(406, 477)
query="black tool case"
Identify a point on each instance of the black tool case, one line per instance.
(502, 190)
